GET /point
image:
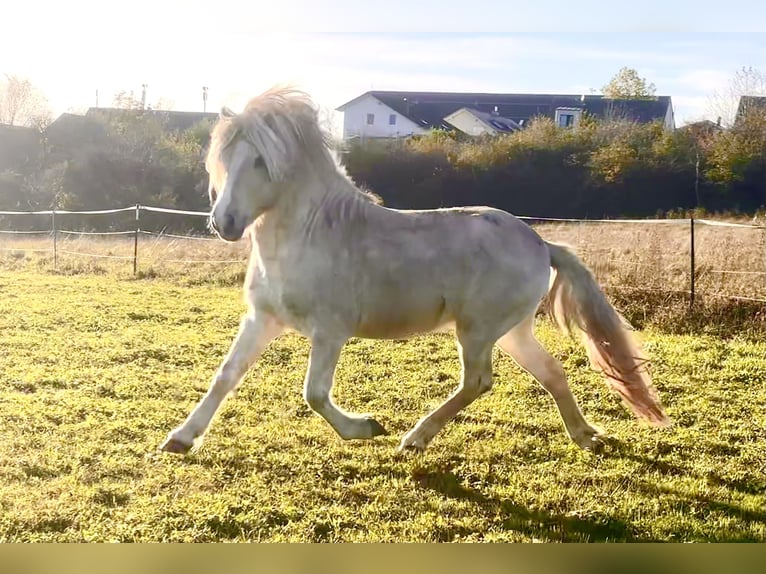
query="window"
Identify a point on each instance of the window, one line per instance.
(370, 119)
(568, 117)
(392, 120)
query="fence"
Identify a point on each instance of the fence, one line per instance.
(670, 260)
(55, 232)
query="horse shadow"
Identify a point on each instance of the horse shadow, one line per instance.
(584, 527)
(537, 524)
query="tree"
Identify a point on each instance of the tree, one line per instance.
(746, 81)
(126, 101)
(628, 84)
(22, 104)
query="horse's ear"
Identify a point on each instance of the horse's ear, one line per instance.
(226, 112)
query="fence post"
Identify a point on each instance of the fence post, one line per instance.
(135, 240)
(691, 256)
(55, 240)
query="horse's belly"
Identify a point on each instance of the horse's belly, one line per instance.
(403, 322)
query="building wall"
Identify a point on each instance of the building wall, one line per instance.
(670, 122)
(355, 123)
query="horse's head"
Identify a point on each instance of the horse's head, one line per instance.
(253, 157)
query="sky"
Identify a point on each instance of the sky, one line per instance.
(338, 49)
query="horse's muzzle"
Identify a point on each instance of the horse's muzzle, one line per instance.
(228, 230)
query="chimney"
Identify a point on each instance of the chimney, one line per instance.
(718, 121)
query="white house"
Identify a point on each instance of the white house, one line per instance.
(368, 117)
(475, 123)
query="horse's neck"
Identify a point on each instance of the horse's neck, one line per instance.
(330, 200)
(309, 210)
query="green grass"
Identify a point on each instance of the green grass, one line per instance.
(95, 370)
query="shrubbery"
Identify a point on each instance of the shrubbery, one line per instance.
(601, 169)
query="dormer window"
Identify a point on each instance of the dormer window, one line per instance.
(567, 117)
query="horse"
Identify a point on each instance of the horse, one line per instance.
(330, 263)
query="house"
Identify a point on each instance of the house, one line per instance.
(73, 131)
(173, 121)
(19, 146)
(387, 114)
(475, 122)
(748, 105)
(702, 128)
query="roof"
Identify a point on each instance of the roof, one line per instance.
(173, 120)
(72, 130)
(747, 103)
(18, 144)
(702, 126)
(17, 130)
(428, 109)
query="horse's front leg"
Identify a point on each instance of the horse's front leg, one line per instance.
(318, 387)
(255, 332)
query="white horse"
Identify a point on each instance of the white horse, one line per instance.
(331, 264)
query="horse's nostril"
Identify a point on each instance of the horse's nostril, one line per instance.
(228, 222)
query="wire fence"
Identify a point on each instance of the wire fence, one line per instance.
(60, 239)
(689, 257)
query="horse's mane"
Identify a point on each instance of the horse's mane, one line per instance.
(282, 125)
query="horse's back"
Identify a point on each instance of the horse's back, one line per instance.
(427, 269)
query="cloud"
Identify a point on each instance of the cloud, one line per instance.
(704, 80)
(691, 108)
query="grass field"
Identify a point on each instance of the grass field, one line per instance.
(95, 368)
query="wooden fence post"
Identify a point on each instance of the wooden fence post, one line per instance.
(55, 240)
(135, 240)
(692, 277)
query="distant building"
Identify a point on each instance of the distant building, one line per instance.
(748, 105)
(171, 120)
(18, 146)
(387, 114)
(475, 122)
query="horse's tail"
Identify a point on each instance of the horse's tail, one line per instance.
(577, 303)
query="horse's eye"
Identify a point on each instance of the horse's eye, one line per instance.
(259, 162)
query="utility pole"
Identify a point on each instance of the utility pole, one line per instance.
(204, 99)
(143, 96)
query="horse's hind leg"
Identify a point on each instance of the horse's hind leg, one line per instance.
(521, 344)
(317, 389)
(476, 379)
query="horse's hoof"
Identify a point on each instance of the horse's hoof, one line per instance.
(596, 445)
(592, 443)
(176, 446)
(411, 446)
(376, 429)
